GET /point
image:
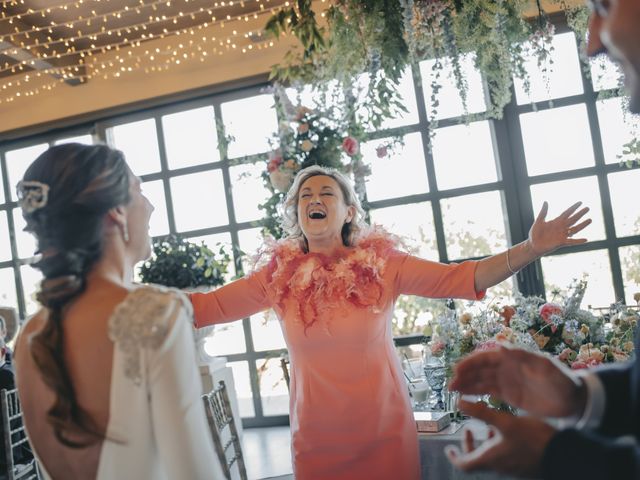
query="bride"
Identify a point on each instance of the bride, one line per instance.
(106, 372)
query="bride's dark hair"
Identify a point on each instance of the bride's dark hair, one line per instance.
(81, 184)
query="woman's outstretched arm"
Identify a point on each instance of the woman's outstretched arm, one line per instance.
(544, 237)
(234, 301)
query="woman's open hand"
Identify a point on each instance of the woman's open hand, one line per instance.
(545, 236)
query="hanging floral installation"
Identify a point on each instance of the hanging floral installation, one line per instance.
(325, 133)
(381, 37)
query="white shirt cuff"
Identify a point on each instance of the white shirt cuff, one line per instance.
(596, 399)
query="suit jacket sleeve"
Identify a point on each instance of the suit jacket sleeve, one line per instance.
(590, 455)
(605, 453)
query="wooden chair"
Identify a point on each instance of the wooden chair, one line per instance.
(223, 430)
(16, 444)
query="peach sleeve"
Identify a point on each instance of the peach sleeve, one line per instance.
(416, 276)
(234, 301)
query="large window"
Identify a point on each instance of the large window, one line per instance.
(465, 191)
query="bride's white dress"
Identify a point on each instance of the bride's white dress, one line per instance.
(157, 425)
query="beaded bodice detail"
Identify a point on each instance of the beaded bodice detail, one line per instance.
(142, 321)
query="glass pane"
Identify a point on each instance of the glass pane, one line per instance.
(139, 143)
(408, 98)
(8, 295)
(562, 194)
(557, 140)
(84, 139)
(190, 137)
(469, 231)
(199, 200)
(159, 222)
(626, 214)
(250, 242)
(273, 388)
(227, 339)
(617, 127)
(250, 122)
(560, 270)
(248, 191)
(266, 331)
(5, 245)
(630, 260)
(17, 163)
(413, 223)
(561, 78)
(605, 74)
(463, 155)
(243, 388)
(450, 104)
(25, 241)
(31, 279)
(215, 242)
(398, 174)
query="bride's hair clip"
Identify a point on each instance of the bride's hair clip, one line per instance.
(32, 195)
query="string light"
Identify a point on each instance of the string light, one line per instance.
(113, 53)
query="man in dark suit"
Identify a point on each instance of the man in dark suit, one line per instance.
(602, 405)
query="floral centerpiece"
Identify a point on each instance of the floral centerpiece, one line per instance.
(579, 338)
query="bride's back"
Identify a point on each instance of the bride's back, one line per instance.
(88, 355)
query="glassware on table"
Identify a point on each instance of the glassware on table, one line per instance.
(419, 389)
(435, 371)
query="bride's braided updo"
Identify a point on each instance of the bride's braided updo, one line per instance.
(65, 195)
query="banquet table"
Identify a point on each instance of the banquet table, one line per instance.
(436, 466)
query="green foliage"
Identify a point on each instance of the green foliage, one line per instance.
(179, 263)
(630, 153)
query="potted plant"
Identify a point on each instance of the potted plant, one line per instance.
(178, 263)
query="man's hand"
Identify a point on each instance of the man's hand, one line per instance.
(515, 447)
(522, 379)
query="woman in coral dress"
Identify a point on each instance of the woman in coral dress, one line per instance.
(333, 283)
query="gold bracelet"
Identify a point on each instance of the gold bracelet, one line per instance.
(513, 272)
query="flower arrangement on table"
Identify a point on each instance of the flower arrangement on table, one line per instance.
(577, 337)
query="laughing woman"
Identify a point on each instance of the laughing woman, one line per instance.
(333, 282)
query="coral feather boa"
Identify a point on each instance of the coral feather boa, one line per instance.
(314, 282)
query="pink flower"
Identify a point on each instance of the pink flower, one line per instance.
(437, 347)
(578, 365)
(303, 128)
(567, 356)
(350, 146)
(273, 164)
(382, 151)
(488, 345)
(549, 309)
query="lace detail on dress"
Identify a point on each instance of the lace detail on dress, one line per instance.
(141, 321)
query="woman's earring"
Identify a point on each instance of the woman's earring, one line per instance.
(125, 232)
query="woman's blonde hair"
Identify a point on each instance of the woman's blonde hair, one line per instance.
(290, 222)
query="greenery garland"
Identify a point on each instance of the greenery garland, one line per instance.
(381, 37)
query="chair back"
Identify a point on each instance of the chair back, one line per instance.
(284, 364)
(224, 431)
(14, 438)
